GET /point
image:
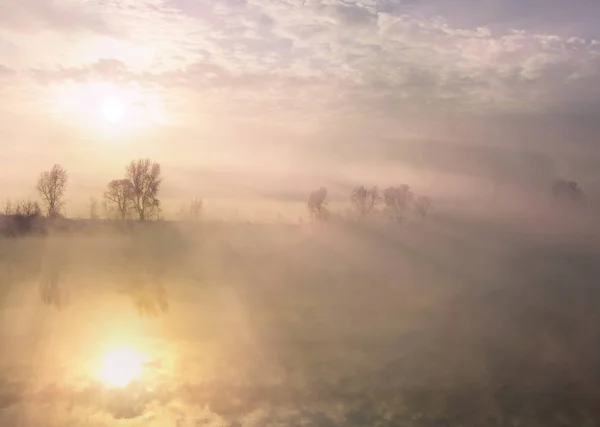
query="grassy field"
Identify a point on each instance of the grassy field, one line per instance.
(437, 322)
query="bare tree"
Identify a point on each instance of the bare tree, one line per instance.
(192, 211)
(196, 209)
(8, 208)
(118, 198)
(397, 200)
(183, 212)
(23, 219)
(317, 203)
(106, 209)
(145, 179)
(52, 186)
(27, 209)
(94, 208)
(423, 205)
(364, 200)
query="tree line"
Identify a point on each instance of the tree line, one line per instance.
(396, 200)
(134, 196)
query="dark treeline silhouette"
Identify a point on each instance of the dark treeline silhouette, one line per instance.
(133, 197)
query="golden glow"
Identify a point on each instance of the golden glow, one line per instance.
(113, 110)
(101, 107)
(120, 366)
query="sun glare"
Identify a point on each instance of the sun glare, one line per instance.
(120, 366)
(105, 110)
(113, 110)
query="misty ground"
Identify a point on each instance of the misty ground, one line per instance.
(447, 321)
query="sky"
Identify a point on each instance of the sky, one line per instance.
(270, 98)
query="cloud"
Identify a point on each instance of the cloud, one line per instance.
(347, 14)
(59, 15)
(357, 53)
(370, 56)
(6, 71)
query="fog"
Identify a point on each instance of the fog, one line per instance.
(472, 316)
(228, 304)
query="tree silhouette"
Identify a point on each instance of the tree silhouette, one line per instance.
(191, 212)
(118, 197)
(145, 179)
(21, 218)
(94, 208)
(52, 185)
(196, 209)
(567, 190)
(8, 207)
(423, 205)
(317, 204)
(397, 200)
(364, 200)
(27, 209)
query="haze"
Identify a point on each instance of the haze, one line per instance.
(254, 285)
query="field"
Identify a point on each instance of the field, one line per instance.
(436, 322)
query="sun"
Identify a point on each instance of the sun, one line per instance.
(120, 366)
(106, 111)
(113, 110)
